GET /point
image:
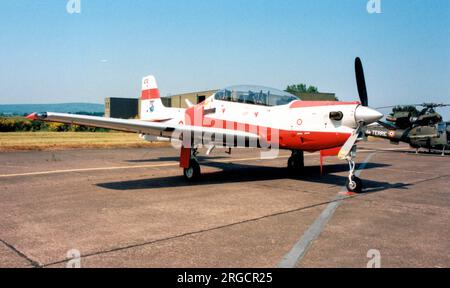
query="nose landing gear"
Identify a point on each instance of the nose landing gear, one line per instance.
(354, 184)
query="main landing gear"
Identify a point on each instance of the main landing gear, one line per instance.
(354, 184)
(297, 161)
(192, 171)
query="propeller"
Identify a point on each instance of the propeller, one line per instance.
(363, 114)
(361, 82)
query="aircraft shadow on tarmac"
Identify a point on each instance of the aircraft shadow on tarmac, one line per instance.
(174, 159)
(408, 151)
(234, 173)
(427, 153)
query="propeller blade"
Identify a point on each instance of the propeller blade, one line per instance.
(361, 82)
(348, 146)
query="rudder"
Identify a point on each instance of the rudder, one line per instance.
(151, 106)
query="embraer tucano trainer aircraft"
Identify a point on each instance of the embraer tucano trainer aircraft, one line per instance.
(245, 116)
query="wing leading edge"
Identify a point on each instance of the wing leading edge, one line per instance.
(196, 133)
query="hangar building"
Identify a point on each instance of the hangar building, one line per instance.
(124, 108)
(128, 108)
(179, 101)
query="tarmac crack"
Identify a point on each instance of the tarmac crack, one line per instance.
(22, 255)
(429, 179)
(102, 252)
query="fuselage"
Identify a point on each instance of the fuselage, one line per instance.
(297, 126)
(294, 125)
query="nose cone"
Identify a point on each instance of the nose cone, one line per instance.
(367, 115)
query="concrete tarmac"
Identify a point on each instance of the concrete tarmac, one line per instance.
(132, 208)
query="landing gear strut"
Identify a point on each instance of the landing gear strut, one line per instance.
(192, 172)
(297, 161)
(354, 184)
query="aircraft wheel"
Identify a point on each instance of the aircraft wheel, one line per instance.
(295, 164)
(355, 186)
(192, 172)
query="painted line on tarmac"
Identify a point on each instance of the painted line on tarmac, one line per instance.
(86, 170)
(408, 171)
(293, 257)
(125, 167)
(40, 173)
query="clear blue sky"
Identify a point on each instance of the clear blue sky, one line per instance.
(48, 55)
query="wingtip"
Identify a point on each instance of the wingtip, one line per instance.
(33, 116)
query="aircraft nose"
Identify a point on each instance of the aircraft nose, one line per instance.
(367, 115)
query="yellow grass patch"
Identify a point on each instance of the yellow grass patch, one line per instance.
(17, 141)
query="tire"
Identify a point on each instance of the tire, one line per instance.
(192, 173)
(295, 167)
(292, 164)
(295, 163)
(357, 187)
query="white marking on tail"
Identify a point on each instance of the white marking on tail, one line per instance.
(149, 82)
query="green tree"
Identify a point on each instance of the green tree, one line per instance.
(312, 89)
(301, 88)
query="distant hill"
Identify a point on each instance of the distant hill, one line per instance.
(21, 109)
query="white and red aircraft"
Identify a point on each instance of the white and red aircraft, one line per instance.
(246, 116)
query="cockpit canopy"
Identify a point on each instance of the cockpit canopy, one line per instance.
(257, 95)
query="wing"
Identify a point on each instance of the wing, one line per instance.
(203, 135)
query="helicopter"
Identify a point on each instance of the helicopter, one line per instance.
(425, 130)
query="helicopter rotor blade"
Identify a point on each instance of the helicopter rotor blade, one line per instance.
(386, 125)
(393, 106)
(416, 105)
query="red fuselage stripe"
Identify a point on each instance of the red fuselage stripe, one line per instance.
(302, 140)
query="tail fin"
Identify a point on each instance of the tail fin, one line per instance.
(151, 106)
(149, 88)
